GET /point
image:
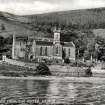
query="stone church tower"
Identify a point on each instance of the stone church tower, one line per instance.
(56, 42)
(56, 36)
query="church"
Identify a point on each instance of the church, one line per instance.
(31, 47)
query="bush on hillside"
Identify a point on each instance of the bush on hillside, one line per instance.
(42, 69)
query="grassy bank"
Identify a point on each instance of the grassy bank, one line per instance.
(67, 70)
(14, 70)
(56, 70)
(20, 71)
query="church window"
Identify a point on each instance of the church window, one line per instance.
(57, 50)
(69, 52)
(46, 51)
(20, 43)
(57, 38)
(40, 51)
(65, 50)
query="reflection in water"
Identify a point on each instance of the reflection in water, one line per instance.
(60, 90)
(36, 88)
(84, 92)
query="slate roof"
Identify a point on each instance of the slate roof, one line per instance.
(21, 37)
(44, 43)
(64, 44)
(68, 44)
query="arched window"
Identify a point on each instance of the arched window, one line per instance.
(69, 52)
(57, 49)
(46, 51)
(64, 51)
(20, 43)
(40, 51)
(63, 54)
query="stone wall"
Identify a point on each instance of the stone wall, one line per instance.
(19, 63)
(68, 71)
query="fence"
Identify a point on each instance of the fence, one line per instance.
(69, 71)
(69, 74)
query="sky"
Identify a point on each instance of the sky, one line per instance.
(27, 7)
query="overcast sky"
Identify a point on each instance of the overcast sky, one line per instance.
(23, 7)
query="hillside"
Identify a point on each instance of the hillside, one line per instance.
(44, 23)
(76, 19)
(12, 25)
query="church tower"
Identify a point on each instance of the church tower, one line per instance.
(57, 45)
(56, 35)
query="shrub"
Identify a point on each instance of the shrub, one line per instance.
(67, 60)
(42, 69)
(88, 71)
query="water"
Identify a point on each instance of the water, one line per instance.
(56, 90)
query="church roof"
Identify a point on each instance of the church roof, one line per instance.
(64, 44)
(44, 43)
(23, 37)
(68, 44)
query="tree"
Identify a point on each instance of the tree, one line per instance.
(101, 48)
(42, 69)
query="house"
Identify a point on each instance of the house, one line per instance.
(30, 47)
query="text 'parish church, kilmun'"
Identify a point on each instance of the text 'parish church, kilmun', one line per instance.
(26, 47)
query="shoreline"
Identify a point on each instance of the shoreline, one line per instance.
(54, 78)
(10, 70)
